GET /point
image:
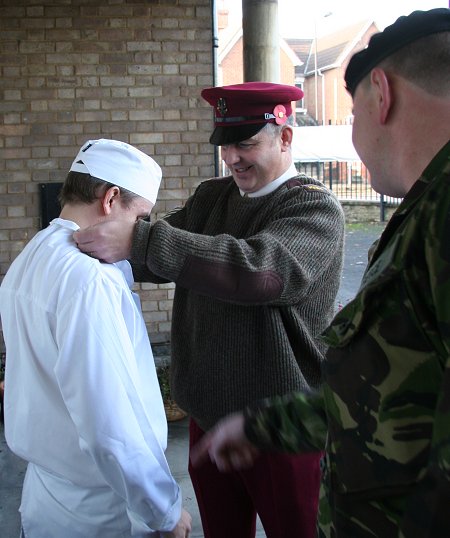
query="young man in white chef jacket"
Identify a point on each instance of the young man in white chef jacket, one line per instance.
(82, 400)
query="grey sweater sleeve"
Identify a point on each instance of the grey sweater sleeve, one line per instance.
(273, 252)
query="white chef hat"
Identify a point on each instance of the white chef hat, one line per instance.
(119, 163)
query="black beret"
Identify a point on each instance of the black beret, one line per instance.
(403, 31)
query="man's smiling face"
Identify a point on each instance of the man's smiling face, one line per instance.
(257, 161)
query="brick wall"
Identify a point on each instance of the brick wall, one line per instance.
(232, 67)
(78, 69)
(287, 69)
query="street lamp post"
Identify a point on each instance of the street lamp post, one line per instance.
(316, 99)
(315, 71)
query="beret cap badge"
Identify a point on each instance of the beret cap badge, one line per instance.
(221, 106)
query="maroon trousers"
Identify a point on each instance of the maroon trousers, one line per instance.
(282, 489)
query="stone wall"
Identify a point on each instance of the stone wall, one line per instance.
(358, 211)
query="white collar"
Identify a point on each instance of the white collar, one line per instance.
(270, 187)
(65, 223)
(123, 265)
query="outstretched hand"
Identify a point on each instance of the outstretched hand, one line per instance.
(108, 241)
(226, 445)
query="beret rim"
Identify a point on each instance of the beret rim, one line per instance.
(405, 30)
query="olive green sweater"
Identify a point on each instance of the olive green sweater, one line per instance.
(256, 280)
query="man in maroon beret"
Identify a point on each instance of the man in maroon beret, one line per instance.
(256, 257)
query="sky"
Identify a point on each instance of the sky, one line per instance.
(298, 18)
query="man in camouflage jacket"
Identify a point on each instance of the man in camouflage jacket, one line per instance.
(384, 409)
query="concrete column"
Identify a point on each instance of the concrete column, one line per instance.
(261, 40)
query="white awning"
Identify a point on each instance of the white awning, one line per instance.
(323, 143)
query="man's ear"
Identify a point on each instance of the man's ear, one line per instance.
(111, 196)
(286, 137)
(384, 90)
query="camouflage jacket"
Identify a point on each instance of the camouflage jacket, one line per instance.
(385, 400)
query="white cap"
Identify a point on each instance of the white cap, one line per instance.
(119, 163)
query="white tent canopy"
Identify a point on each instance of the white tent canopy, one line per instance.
(323, 143)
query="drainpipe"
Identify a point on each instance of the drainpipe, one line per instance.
(215, 47)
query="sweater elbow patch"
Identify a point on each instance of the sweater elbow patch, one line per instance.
(229, 282)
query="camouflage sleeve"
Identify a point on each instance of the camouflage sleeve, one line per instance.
(294, 422)
(427, 513)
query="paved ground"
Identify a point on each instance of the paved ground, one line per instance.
(359, 237)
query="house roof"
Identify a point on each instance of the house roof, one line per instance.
(301, 47)
(332, 49)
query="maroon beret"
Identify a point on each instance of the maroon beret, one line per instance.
(241, 110)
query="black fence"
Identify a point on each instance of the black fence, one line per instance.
(350, 181)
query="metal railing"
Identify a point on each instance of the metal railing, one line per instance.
(350, 181)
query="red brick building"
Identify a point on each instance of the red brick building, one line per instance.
(321, 74)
